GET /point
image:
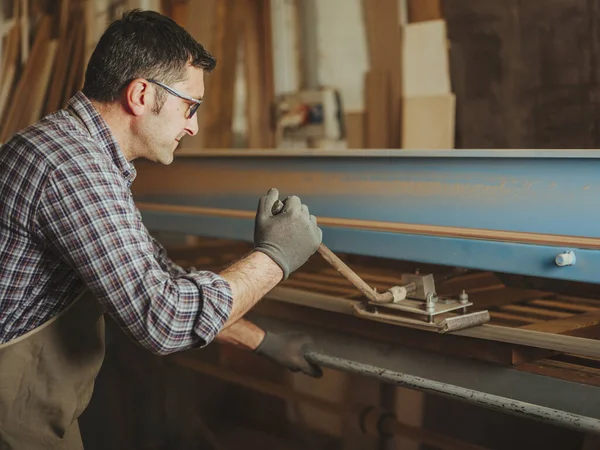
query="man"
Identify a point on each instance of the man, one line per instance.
(72, 244)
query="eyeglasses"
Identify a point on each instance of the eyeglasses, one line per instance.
(195, 102)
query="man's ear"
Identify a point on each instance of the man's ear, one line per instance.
(139, 98)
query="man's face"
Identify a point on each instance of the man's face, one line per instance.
(161, 131)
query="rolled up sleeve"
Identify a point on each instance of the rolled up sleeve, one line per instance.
(87, 213)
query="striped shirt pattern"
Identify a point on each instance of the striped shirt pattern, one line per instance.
(68, 221)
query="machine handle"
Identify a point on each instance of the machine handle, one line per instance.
(347, 272)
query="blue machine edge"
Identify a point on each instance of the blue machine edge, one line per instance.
(533, 260)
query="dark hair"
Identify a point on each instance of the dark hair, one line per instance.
(142, 44)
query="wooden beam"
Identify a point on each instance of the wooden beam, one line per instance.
(567, 325)
(220, 86)
(384, 43)
(423, 10)
(258, 64)
(450, 344)
(377, 101)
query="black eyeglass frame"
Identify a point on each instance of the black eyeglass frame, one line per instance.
(195, 102)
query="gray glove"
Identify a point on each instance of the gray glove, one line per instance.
(288, 349)
(288, 238)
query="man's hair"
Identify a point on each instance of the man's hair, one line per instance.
(142, 44)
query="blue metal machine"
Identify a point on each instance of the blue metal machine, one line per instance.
(531, 213)
(525, 212)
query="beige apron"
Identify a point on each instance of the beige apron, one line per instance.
(47, 378)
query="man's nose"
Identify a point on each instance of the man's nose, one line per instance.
(191, 127)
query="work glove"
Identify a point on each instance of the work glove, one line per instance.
(289, 237)
(289, 350)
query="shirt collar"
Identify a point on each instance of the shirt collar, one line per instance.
(83, 110)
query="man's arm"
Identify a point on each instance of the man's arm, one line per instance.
(243, 334)
(250, 279)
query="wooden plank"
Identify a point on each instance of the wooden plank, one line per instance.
(513, 317)
(422, 10)
(450, 344)
(201, 22)
(567, 325)
(469, 282)
(220, 86)
(426, 68)
(17, 111)
(504, 296)
(384, 43)
(74, 80)
(428, 122)
(9, 71)
(564, 371)
(24, 30)
(355, 129)
(258, 64)
(579, 300)
(60, 79)
(563, 305)
(535, 311)
(377, 95)
(39, 88)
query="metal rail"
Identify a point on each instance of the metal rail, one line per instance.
(547, 399)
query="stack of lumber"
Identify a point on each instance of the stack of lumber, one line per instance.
(38, 79)
(408, 98)
(234, 32)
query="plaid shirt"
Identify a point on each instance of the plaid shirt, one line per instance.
(68, 220)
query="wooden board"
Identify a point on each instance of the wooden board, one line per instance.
(377, 95)
(258, 64)
(425, 61)
(571, 324)
(354, 124)
(428, 122)
(423, 10)
(384, 44)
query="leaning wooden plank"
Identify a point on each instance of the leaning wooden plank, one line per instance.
(426, 69)
(72, 82)
(377, 95)
(24, 30)
(19, 102)
(201, 22)
(9, 71)
(220, 86)
(384, 43)
(428, 122)
(423, 10)
(355, 129)
(40, 88)
(67, 41)
(258, 62)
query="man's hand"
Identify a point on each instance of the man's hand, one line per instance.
(288, 238)
(288, 349)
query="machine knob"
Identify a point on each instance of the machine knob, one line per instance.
(565, 259)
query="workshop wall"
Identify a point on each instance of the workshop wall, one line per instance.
(525, 73)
